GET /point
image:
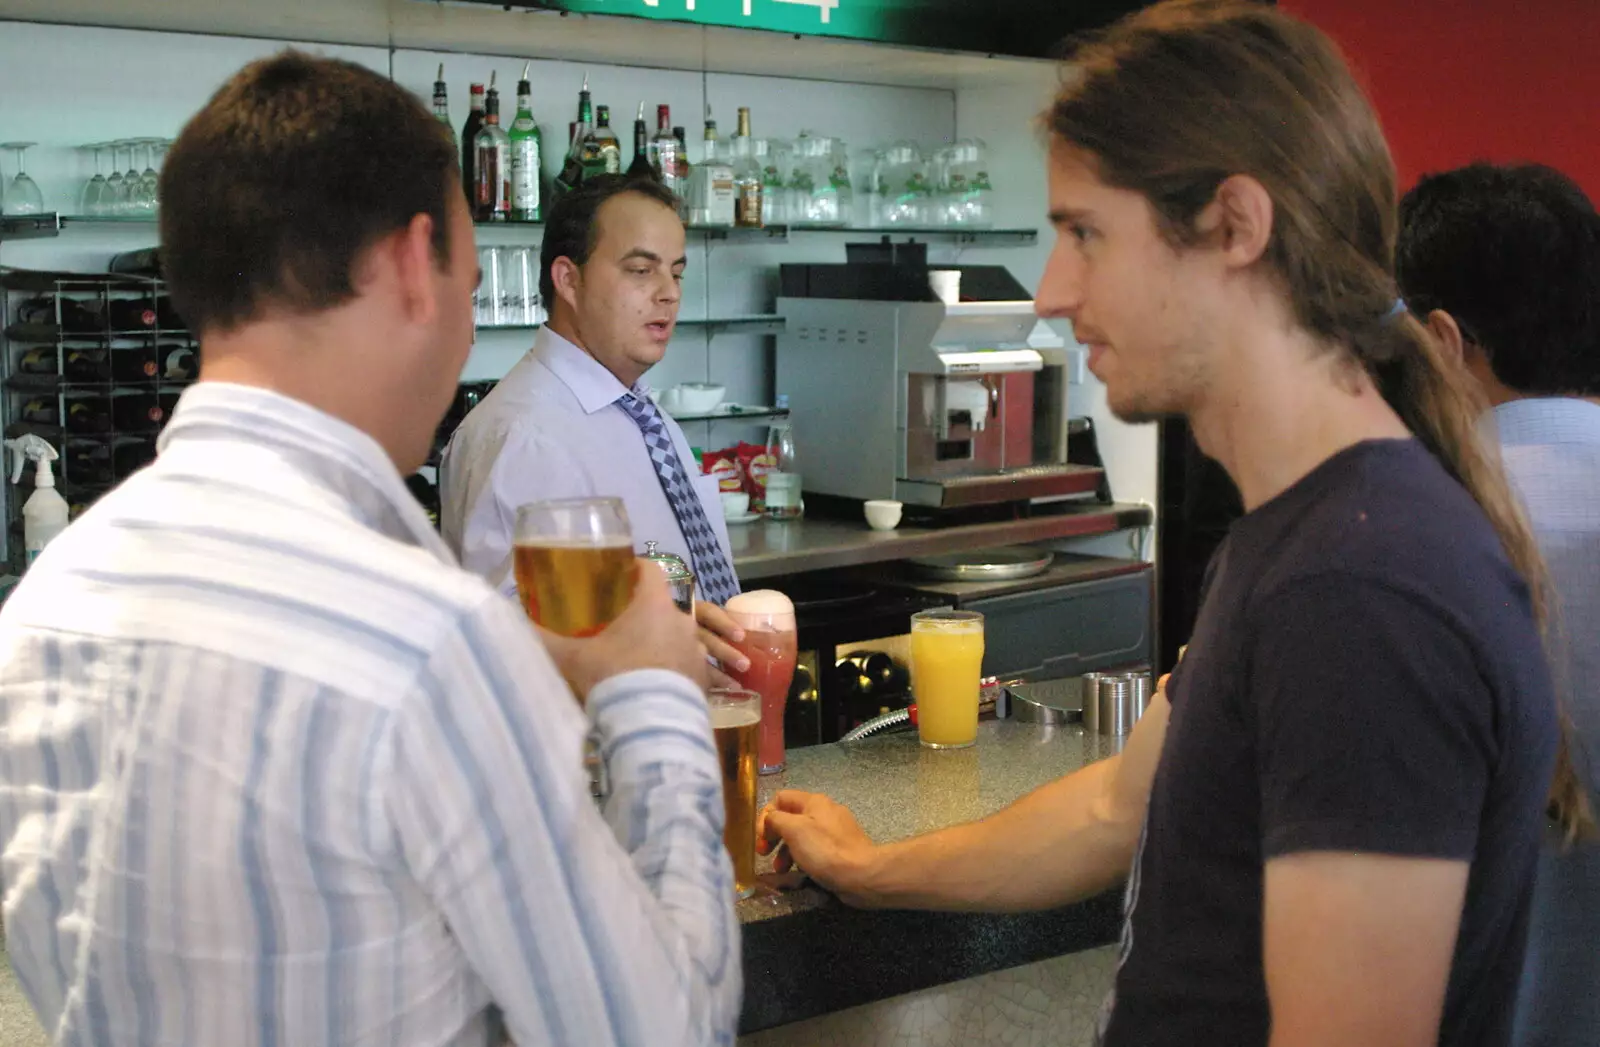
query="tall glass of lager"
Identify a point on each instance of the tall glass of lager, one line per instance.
(736, 721)
(574, 563)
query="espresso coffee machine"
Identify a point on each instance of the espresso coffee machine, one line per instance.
(896, 395)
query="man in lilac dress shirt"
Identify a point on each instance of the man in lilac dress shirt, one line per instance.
(1505, 264)
(558, 424)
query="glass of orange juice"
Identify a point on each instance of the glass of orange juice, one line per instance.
(946, 667)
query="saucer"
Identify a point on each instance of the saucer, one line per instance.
(742, 518)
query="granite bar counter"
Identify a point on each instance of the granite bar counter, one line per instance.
(770, 548)
(807, 954)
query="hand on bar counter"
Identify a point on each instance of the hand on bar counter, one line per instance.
(651, 634)
(1063, 842)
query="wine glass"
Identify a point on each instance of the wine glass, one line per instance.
(130, 178)
(151, 178)
(142, 196)
(22, 196)
(115, 195)
(92, 199)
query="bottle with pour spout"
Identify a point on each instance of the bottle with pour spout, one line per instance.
(45, 514)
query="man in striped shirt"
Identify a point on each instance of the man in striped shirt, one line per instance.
(273, 769)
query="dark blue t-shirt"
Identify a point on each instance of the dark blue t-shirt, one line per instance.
(1365, 675)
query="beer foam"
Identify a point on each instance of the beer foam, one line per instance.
(726, 716)
(761, 601)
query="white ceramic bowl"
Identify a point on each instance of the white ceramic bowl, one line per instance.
(882, 515)
(735, 504)
(697, 397)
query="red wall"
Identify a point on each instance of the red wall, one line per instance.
(1462, 80)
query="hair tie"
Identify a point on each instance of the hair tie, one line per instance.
(1396, 310)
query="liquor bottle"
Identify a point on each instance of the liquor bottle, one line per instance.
(527, 157)
(610, 148)
(663, 151)
(441, 102)
(641, 166)
(747, 175)
(682, 165)
(493, 164)
(583, 150)
(469, 146)
(711, 184)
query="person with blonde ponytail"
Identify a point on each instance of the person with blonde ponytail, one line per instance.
(1504, 264)
(1328, 818)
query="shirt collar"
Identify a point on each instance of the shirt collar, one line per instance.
(595, 387)
(328, 451)
(1548, 420)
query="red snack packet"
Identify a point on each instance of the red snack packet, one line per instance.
(724, 465)
(755, 463)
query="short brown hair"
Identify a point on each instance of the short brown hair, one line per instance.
(293, 168)
(1176, 98)
(570, 230)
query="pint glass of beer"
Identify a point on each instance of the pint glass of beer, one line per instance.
(735, 720)
(574, 563)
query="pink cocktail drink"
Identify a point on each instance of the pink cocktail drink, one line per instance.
(771, 643)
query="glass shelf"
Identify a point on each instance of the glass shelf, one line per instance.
(30, 227)
(770, 324)
(993, 237)
(733, 412)
(108, 219)
(50, 224)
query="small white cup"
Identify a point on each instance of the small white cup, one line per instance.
(882, 515)
(735, 503)
(946, 284)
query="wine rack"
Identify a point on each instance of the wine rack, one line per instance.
(94, 364)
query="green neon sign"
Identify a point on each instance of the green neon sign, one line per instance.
(856, 19)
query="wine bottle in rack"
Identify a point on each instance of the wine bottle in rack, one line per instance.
(75, 317)
(38, 360)
(41, 410)
(131, 314)
(149, 363)
(129, 457)
(89, 464)
(82, 365)
(88, 415)
(138, 412)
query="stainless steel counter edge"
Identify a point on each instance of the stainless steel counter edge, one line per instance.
(768, 549)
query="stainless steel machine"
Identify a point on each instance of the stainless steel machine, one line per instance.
(901, 396)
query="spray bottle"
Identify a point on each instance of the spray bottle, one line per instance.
(44, 514)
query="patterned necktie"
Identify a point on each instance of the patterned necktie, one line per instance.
(717, 582)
